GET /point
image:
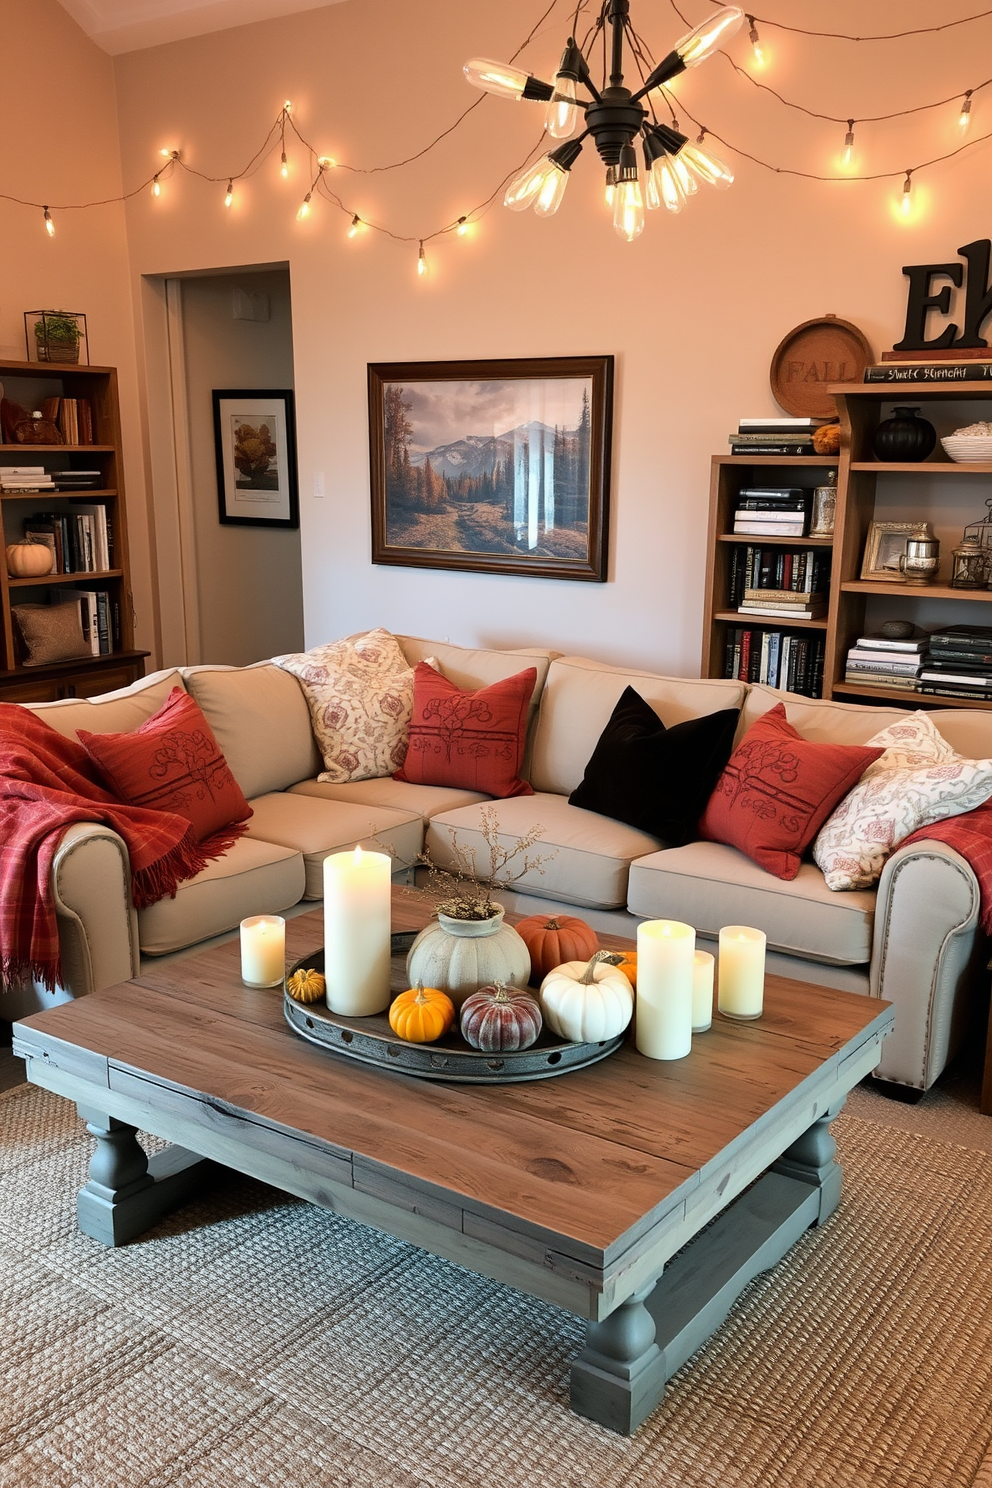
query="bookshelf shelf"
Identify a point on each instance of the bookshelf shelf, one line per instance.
(768, 622)
(28, 383)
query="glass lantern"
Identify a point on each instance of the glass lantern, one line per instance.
(971, 565)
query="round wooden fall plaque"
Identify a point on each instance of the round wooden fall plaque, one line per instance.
(810, 358)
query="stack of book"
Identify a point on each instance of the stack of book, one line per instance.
(792, 662)
(784, 604)
(77, 480)
(81, 541)
(21, 480)
(775, 436)
(801, 571)
(958, 663)
(943, 364)
(772, 511)
(879, 661)
(96, 616)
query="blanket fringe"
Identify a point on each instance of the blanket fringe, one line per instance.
(15, 973)
(189, 857)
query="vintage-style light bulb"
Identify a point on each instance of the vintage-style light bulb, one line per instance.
(964, 117)
(683, 175)
(421, 262)
(710, 35)
(169, 154)
(326, 161)
(462, 227)
(559, 120)
(652, 196)
(355, 227)
(229, 194)
(49, 224)
(539, 182)
(505, 81)
(849, 143)
(611, 185)
(156, 187)
(907, 194)
(706, 164)
(284, 166)
(304, 208)
(668, 185)
(755, 40)
(628, 210)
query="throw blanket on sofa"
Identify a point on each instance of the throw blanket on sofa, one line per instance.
(971, 835)
(48, 783)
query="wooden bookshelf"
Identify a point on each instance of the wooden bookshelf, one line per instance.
(28, 383)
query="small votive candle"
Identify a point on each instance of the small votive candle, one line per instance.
(702, 992)
(263, 951)
(741, 978)
(665, 951)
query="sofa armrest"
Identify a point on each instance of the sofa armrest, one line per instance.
(98, 926)
(927, 956)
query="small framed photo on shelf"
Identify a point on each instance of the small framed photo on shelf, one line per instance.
(885, 545)
(255, 439)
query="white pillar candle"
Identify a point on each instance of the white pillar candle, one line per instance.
(742, 972)
(702, 992)
(356, 932)
(263, 950)
(665, 950)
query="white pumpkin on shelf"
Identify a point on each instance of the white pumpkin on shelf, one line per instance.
(587, 1002)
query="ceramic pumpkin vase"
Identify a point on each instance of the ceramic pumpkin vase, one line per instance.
(460, 956)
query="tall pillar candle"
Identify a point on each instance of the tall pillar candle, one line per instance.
(665, 950)
(741, 974)
(702, 992)
(263, 950)
(356, 932)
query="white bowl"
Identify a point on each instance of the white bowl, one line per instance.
(969, 448)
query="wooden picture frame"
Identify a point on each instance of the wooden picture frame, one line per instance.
(492, 466)
(255, 443)
(885, 543)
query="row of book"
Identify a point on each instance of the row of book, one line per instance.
(772, 511)
(953, 662)
(791, 662)
(26, 480)
(74, 417)
(775, 436)
(81, 541)
(99, 615)
(792, 576)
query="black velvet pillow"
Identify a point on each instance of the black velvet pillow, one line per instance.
(656, 779)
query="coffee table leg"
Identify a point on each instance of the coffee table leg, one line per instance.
(813, 1160)
(128, 1192)
(619, 1376)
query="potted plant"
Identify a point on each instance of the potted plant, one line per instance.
(57, 336)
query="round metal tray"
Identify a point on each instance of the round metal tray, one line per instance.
(372, 1041)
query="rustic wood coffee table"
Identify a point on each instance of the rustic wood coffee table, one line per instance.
(578, 1190)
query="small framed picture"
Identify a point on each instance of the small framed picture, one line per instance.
(255, 439)
(885, 545)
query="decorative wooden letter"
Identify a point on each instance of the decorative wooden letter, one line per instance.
(921, 302)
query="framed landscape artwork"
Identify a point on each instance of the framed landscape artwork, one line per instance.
(255, 440)
(492, 467)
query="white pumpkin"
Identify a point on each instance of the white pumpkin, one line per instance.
(460, 956)
(587, 1001)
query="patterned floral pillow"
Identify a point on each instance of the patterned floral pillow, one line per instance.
(360, 693)
(917, 781)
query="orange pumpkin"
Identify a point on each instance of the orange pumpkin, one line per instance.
(421, 1014)
(554, 939)
(628, 966)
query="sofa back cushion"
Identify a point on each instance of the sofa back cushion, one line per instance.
(579, 697)
(967, 730)
(112, 712)
(261, 721)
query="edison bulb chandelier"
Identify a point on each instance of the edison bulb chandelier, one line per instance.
(615, 117)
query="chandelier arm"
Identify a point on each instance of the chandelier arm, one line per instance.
(619, 11)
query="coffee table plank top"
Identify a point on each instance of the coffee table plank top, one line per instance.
(587, 1161)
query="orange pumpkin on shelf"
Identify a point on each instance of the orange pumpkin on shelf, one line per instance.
(553, 940)
(628, 966)
(421, 1014)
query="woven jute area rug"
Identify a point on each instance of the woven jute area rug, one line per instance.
(255, 1340)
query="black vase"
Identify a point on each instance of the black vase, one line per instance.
(904, 436)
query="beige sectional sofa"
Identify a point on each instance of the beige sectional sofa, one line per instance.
(915, 942)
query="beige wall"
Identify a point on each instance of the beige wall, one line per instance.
(60, 145)
(692, 311)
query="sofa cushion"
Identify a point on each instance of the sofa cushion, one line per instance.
(316, 828)
(593, 852)
(819, 719)
(709, 885)
(579, 697)
(474, 740)
(251, 878)
(261, 721)
(111, 712)
(656, 779)
(777, 791)
(425, 800)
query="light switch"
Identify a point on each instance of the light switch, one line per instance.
(318, 483)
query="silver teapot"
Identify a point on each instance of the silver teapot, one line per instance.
(919, 563)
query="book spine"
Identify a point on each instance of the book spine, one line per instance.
(800, 450)
(931, 372)
(103, 622)
(744, 668)
(765, 657)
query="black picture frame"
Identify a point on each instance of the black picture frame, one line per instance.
(245, 490)
(532, 441)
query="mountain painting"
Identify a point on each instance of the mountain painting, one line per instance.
(489, 467)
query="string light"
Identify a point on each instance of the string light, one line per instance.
(156, 188)
(964, 118)
(356, 226)
(287, 107)
(907, 194)
(326, 161)
(849, 143)
(49, 224)
(304, 208)
(284, 166)
(170, 154)
(462, 227)
(755, 41)
(421, 261)
(229, 194)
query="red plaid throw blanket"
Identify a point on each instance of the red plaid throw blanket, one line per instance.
(48, 783)
(971, 836)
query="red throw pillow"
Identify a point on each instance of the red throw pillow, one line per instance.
(474, 740)
(172, 763)
(777, 791)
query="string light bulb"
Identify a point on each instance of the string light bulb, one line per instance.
(326, 161)
(49, 224)
(229, 193)
(849, 143)
(964, 118)
(284, 166)
(611, 185)
(421, 261)
(542, 185)
(287, 107)
(562, 111)
(628, 206)
(304, 208)
(356, 223)
(755, 41)
(156, 187)
(907, 194)
(462, 227)
(169, 154)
